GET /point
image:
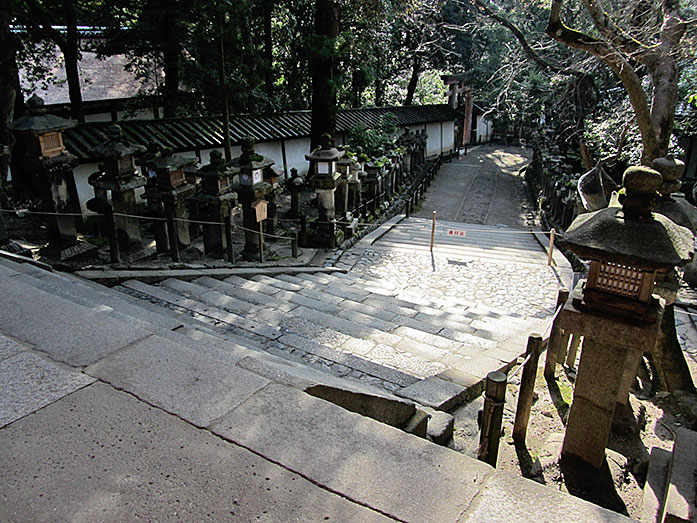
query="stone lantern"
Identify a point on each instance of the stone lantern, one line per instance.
(216, 201)
(271, 176)
(343, 166)
(614, 310)
(42, 155)
(374, 181)
(251, 190)
(294, 185)
(118, 175)
(323, 163)
(169, 187)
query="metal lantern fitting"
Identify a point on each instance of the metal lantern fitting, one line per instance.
(627, 248)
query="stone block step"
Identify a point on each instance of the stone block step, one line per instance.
(89, 294)
(655, 486)
(68, 332)
(203, 310)
(208, 296)
(681, 494)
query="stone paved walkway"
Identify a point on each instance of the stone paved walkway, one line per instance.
(497, 266)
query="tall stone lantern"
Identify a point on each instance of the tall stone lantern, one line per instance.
(325, 179)
(251, 190)
(118, 175)
(217, 200)
(169, 187)
(43, 155)
(615, 309)
(343, 166)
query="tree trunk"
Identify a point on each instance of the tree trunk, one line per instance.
(323, 88)
(8, 75)
(170, 56)
(413, 81)
(268, 48)
(71, 53)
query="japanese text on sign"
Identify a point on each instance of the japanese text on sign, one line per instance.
(453, 232)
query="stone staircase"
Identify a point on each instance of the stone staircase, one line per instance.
(670, 492)
(434, 351)
(115, 408)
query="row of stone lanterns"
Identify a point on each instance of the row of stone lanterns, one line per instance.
(340, 183)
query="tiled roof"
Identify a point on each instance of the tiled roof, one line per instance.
(192, 134)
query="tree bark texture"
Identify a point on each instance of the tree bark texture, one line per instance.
(322, 66)
(8, 75)
(413, 80)
(615, 48)
(71, 52)
(170, 57)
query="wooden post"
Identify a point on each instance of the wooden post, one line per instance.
(555, 337)
(492, 416)
(172, 233)
(114, 249)
(228, 240)
(261, 241)
(433, 229)
(294, 245)
(552, 233)
(573, 350)
(563, 347)
(527, 388)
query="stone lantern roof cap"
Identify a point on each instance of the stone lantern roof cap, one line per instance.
(326, 153)
(166, 161)
(115, 146)
(249, 160)
(607, 236)
(217, 167)
(38, 122)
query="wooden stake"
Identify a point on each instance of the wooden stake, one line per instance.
(527, 388)
(555, 338)
(492, 416)
(552, 233)
(433, 229)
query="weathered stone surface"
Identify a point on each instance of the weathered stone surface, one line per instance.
(435, 392)
(440, 426)
(66, 331)
(655, 486)
(191, 384)
(418, 424)
(101, 455)
(587, 431)
(29, 382)
(680, 503)
(515, 499)
(9, 348)
(390, 410)
(355, 456)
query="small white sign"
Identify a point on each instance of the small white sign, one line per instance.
(453, 232)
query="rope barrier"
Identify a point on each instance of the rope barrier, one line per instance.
(23, 212)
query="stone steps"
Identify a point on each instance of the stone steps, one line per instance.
(670, 492)
(338, 324)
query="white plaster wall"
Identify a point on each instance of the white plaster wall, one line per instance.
(295, 155)
(433, 142)
(84, 189)
(484, 129)
(448, 136)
